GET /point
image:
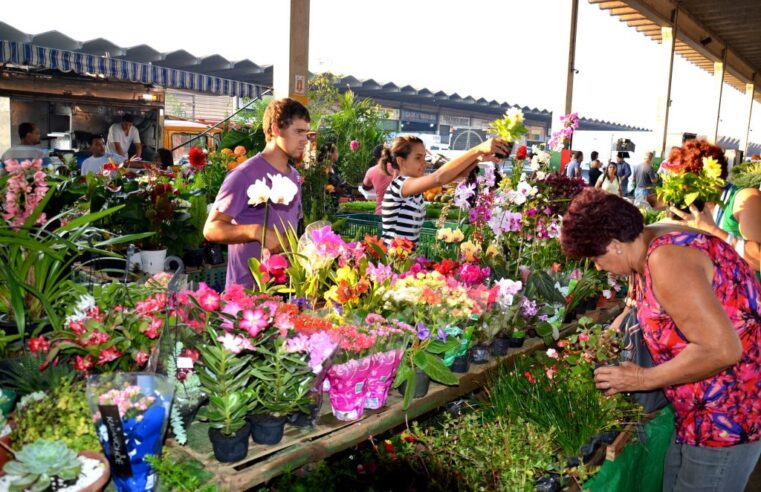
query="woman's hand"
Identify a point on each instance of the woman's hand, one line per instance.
(624, 378)
(696, 219)
(494, 145)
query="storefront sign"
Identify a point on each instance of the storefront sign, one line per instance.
(452, 120)
(417, 116)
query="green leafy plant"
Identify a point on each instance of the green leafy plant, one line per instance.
(510, 127)
(425, 354)
(26, 374)
(37, 466)
(683, 186)
(181, 476)
(62, 414)
(746, 175)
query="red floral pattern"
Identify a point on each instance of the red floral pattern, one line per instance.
(725, 409)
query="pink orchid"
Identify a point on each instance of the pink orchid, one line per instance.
(234, 344)
(273, 267)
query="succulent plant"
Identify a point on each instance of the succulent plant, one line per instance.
(40, 464)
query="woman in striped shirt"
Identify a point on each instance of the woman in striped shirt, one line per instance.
(403, 207)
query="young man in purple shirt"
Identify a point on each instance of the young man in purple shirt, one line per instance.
(232, 220)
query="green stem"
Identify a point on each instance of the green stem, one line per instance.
(264, 230)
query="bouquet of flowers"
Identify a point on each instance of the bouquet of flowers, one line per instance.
(683, 185)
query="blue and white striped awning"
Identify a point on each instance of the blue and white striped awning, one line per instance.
(27, 54)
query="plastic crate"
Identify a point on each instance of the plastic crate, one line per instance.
(214, 276)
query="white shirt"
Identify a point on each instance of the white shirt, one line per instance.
(116, 134)
(95, 164)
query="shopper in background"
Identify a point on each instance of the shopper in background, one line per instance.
(377, 178)
(122, 135)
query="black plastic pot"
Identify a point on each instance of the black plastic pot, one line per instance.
(422, 383)
(479, 354)
(301, 419)
(229, 449)
(460, 364)
(500, 345)
(213, 254)
(516, 342)
(193, 257)
(268, 429)
(548, 483)
(588, 450)
(607, 437)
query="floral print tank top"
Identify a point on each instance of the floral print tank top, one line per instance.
(725, 409)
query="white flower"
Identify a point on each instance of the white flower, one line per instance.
(507, 289)
(258, 192)
(552, 353)
(535, 163)
(540, 175)
(515, 114)
(607, 294)
(526, 189)
(234, 344)
(516, 198)
(283, 189)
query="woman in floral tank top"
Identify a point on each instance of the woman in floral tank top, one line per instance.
(699, 308)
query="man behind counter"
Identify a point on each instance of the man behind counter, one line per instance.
(99, 157)
(122, 135)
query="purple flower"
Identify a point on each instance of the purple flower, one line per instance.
(320, 347)
(528, 308)
(422, 332)
(302, 303)
(442, 335)
(462, 194)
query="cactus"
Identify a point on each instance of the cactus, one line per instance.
(41, 465)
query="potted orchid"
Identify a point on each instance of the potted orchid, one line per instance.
(281, 191)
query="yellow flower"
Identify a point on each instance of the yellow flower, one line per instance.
(346, 273)
(492, 251)
(457, 236)
(711, 167)
(227, 151)
(470, 250)
(444, 234)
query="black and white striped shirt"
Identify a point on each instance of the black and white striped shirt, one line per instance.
(402, 216)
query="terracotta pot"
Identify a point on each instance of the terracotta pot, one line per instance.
(100, 483)
(5, 456)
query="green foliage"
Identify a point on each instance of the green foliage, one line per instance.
(38, 464)
(355, 120)
(746, 175)
(181, 476)
(24, 375)
(470, 453)
(62, 415)
(510, 127)
(682, 188)
(187, 393)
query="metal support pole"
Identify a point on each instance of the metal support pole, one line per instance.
(719, 69)
(668, 40)
(750, 90)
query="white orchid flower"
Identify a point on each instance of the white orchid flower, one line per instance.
(283, 189)
(258, 192)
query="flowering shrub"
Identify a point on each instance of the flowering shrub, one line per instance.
(562, 137)
(684, 185)
(24, 190)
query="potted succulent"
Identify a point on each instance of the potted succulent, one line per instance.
(50, 465)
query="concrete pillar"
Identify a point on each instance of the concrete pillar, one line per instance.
(5, 124)
(745, 137)
(666, 62)
(568, 9)
(718, 89)
(291, 70)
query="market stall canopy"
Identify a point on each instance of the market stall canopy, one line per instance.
(142, 64)
(705, 29)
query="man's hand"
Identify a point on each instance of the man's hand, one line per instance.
(697, 219)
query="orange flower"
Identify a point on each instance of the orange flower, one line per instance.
(373, 245)
(345, 293)
(226, 151)
(232, 165)
(330, 188)
(240, 150)
(429, 296)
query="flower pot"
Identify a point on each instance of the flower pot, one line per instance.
(8, 400)
(479, 354)
(213, 254)
(383, 366)
(100, 483)
(193, 257)
(5, 456)
(229, 449)
(347, 388)
(460, 364)
(152, 262)
(516, 342)
(548, 483)
(607, 437)
(301, 419)
(500, 345)
(422, 383)
(135, 428)
(268, 429)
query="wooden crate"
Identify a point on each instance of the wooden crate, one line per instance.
(305, 445)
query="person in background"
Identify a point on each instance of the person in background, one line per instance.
(595, 170)
(609, 181)
(94, 164)
(163, 158)
(738, 222)
(403, 205)
(378, 178)
(573, 169)
(624, 171)
(699, 309)
(122, 135)
(232, 220)
(644, 179)
(28, 148)
(336, 187)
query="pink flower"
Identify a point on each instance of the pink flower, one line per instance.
(141, 358)
(327, 242)
(234, 344)
(273, 267)
(254, 321)
(208, 299)
(354, 145)
(83, 364)
(583, 337)
(284, 323)
(552, 353)
(154, 328)
(551, 372)
(107, 355)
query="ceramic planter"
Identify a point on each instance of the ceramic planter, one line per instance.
(152, 262)
(229, 449)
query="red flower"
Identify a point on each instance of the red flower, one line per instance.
(83, 364)
(39, 345)
(107, 355)
(191, 353)
(530, 377)
(520, 154)
(141, 358)
(196, 157)
(388, 446)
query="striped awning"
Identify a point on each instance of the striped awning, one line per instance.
(27, 54)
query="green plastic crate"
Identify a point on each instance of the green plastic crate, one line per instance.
(214, 276)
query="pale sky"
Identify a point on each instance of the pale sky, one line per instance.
(506, 50)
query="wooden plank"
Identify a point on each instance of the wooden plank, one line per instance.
(305, 445)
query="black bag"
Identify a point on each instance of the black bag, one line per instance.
(634, 350)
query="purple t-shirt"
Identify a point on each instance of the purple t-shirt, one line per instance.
(232, 200)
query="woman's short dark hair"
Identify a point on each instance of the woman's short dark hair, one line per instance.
(402, 147)
(595, 218)
(594, 155)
